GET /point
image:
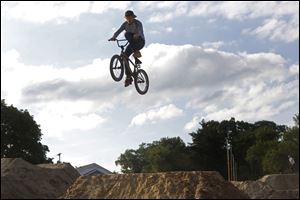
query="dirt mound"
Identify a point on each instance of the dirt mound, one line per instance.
(277, 186)
(20, 179)
(184, 185)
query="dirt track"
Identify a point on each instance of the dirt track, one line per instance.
(20, 179)
(276, 186)
(183, 185)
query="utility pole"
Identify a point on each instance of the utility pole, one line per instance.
(228, 148)
(231, 166)
(231, 163)
(59, 158)
(235, 168)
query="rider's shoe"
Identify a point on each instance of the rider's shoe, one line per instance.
(128, 81)
(137, 54)
(137, 61)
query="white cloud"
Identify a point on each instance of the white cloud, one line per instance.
(215, 45)
(106, 6)
(45, 11)
(169, 29)
(164, 11)
(276, 29)
(55, 116)
(221, 84)
(41, 12)
(192, 67)
(160, 30)
(193, 124)
(244, 10)
(281, 25)
(155, 115)
(60, 117)
(16, 75)
(218, 44)
(254, 102)
(294, 69)
(218, 83)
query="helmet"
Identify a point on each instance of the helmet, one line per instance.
(129, 13)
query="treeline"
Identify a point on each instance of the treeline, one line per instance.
(21, 136)
(259, 148)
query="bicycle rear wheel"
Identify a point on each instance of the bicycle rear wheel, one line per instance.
(141, 82)
(116, 68)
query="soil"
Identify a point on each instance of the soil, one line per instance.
(20, 179)
(170, 185)
(276, 186)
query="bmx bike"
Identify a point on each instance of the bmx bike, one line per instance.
(117, 68)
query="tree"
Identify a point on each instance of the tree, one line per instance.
(131, 161)
(208, 146)
(277, 159)
(258, 148)
(167, 154)
(263, 155)
(21, 136)
(296, 120)
(250, 144)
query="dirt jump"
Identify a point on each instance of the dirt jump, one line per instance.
(20, 179)
(170, 185)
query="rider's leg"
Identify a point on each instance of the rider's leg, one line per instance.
(128, 52)
(137, 46)
(134, 44)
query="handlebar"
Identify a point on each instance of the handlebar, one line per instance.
(121, 40)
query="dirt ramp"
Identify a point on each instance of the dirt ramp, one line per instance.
(174, 185)
(276, 186)
(20, 179)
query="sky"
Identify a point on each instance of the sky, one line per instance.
(205, 60)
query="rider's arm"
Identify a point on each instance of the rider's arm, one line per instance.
(122, 28)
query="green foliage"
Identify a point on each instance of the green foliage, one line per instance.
(131, 161)
(260, 148)
(168, 154)
(208, 146)
(21, 136)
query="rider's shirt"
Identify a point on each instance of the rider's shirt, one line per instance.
(135, 27)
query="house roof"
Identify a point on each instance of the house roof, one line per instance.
(92, 168)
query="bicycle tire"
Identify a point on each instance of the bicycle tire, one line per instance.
(141, 77)
(116, 64)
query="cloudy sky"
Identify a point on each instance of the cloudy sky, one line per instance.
(205, 60)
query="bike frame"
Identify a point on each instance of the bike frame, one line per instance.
(123, 55)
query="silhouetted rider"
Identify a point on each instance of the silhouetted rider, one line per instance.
(135, 36)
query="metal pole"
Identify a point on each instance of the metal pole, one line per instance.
(233, 168)
(228, 159)
(59, 158)
(236, 171)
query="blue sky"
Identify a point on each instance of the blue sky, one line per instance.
(205, 60)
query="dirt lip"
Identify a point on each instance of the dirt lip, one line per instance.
(20, 179)
(170, 185)
(275, 186)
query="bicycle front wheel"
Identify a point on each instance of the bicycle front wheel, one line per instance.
(141, 82)
(116, 68)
